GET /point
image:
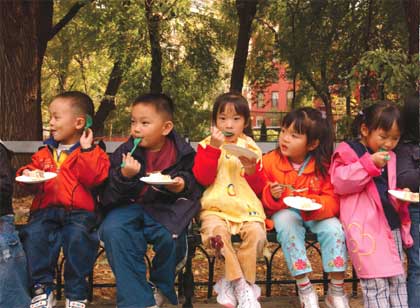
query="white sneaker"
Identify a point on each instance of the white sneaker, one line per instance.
(309, 299)
(225, 293)
(160, 298)
(76, 304)
(336, 301)
(246, 296)
(44, 297)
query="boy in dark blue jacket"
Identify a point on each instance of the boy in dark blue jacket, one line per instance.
(139, 213)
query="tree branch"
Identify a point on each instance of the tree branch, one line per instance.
(267, 24)
(66, 19)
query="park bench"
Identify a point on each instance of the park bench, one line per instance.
(186, 283)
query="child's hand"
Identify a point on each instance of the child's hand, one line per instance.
(380, 159)
(276, 190)
(249, 164)
(86, 139)
(131, 166)
(217, 137)
(176, 187)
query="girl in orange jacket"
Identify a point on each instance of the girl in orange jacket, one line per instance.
(299, 168)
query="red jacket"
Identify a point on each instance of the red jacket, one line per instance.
(79, 173)
(278, 168)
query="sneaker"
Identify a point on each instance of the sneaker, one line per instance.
(225, 293)
(76, 304)
(160, 298)
(43, 297)
(337, 301)
(246, 296)
(308, 299)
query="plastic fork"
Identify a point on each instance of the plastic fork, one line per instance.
(136, 141)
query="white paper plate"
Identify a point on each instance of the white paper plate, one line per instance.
(239, 151)
(301, 203)
(156, 181)
(34, 180)
(407, 196)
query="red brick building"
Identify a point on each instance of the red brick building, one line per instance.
(273, 102)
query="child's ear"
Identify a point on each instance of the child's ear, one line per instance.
(313, 145)
(364, 130)
(167, 128)
(80, 122)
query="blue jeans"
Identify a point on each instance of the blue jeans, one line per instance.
(291, 231)
(413, 283)
(126, 231)
(52, 228)
(13, 272)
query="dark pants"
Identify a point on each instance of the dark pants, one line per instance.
(413, 283)
(126, 231)
(52, 228)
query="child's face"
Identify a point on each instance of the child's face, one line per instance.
(380, 139)
(150, 125)
(294, 145)
(65, 124)
(230, 121)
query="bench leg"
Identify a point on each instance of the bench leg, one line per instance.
(188, 279)
(354, 283)
(325, 282)
(90, 284)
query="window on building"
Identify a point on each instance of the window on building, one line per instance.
(289, 97)
(259, 121)
(274, 99)
(260, 100)
(275, 121)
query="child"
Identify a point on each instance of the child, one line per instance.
(362, 171)
(300, 167)
(139, 213)
(13, 271)
(408, 176)
(62, 212)
(229, 205)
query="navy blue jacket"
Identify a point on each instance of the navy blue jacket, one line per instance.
(173, 210)
(6, 181)
(408, 166)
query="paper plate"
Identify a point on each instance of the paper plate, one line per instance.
(302, 203)
(156, 180)
(407, 196)
(240, 151)
(34, 180)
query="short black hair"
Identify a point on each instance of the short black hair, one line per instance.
(80, 101)
(237, 100)
(162, 102)
(410, 115)
(381, 115)
(309, 121)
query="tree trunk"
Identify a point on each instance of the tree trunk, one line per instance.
(246, 10)
(326, 98)
(108, 101)
(24, 31)
(412, 8)
(153, 22)
(365, 91)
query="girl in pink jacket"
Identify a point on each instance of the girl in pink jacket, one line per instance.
(374, 222)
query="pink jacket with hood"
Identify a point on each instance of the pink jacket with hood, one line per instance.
(369, 238)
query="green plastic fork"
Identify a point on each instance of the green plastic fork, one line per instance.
(136, 141)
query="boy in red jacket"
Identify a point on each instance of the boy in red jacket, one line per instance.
(62, 212)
